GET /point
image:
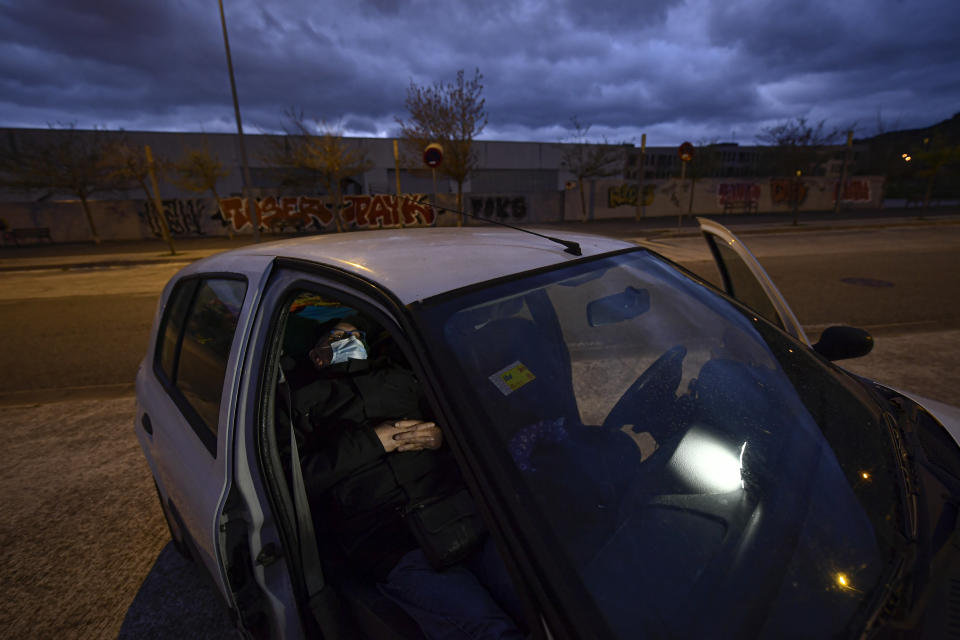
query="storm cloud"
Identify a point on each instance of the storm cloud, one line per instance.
(674, 69)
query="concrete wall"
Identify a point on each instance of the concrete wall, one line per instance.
(618, 199)
(137, 219)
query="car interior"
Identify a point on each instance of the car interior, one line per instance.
(727, 471)
(356, 608)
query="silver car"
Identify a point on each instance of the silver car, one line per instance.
(654, 457)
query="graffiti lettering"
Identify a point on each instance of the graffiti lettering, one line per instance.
(277, 214)
(502, 208)
(305, 212)
(787, 190)
(739, 192)
(183, 217)
(626, 195)
(380, 211)
(295, 212)
(233, 211)
(854, 191)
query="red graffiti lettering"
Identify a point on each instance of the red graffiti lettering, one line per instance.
(356, 209)
(416, 207)
(854, 191)
(314, 209)
(289, 208)
(738, 192)
(233, 212)
(381, 211)
(269, 210)
(299, 212)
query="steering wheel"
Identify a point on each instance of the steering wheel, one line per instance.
(651, 393)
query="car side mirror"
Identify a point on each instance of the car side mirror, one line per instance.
(632, 302)
(841, 343)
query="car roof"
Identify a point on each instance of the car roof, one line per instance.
(415, 264)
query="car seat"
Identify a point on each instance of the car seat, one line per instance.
(576, 473)
(519, 376)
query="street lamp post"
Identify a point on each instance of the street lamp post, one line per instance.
(254, 215)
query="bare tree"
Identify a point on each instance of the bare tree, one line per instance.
(587, 160)
(798, 149)
(320, 150)
(451, 114)
(67, 161)
(199, 170)
(933, 158)
(130, 167)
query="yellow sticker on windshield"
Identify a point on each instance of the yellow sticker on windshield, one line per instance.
(512, 377)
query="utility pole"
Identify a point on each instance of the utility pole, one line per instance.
(254, 215)
(641, 168)
(396, 173)
(157, 204)
(843, 172)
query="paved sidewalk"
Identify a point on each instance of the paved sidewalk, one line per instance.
(155, 251)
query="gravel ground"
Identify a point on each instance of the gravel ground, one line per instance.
(81, 526)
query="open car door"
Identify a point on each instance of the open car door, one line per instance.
(745, 280)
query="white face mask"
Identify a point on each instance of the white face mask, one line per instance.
(348, 348)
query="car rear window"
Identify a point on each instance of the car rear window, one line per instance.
(194, 348)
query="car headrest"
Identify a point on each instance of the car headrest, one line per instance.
(519, 373)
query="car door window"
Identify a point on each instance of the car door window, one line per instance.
(173, 326)
(742, 284)
(747, 281)
(195, 346)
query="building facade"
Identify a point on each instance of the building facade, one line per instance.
(518, 182)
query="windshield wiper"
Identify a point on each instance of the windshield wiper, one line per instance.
(889, 598)
(910, 486)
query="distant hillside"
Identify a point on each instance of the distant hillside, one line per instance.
(905, 180)
(947, 131)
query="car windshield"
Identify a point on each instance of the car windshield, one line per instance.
(692, 469)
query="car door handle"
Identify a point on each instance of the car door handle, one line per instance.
(146, 424)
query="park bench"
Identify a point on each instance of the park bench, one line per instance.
(29, 233)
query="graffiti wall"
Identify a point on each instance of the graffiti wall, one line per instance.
(507, 209)
(788, 191)
(383, 211)
(712, 196)
(729, 194)
(855, 190)
(305, 213)
(625, 195)
(184, 217)
(137, 219)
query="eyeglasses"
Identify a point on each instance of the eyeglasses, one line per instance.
(340, 334)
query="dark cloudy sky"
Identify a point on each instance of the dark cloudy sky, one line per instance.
(674, 69)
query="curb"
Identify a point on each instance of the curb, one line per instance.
(97, 264)
(692, 233)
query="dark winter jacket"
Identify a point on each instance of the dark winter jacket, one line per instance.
(359, 493)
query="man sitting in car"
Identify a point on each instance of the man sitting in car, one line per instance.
(383, 487)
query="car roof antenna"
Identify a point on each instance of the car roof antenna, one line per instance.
(572, 247)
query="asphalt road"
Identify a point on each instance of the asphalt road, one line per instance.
(888, 281)
(83, 332)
